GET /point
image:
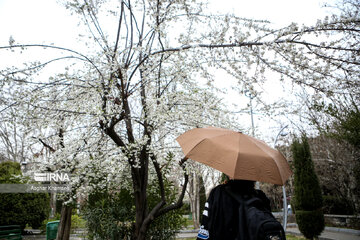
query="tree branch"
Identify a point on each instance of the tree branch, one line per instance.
(118, 31)
(58, 48)
(47, 145)
(179, 203)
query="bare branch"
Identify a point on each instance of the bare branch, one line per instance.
(58, 48)
(118, 31)
(47, 145)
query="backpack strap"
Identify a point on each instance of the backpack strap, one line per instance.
(242, 233)
(257, 221)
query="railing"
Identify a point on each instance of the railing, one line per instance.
(12, 232)
(343, 221)
(347, 221)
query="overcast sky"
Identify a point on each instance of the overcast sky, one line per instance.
(45, 21)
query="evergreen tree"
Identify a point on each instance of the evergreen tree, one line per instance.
(308, 197)
(202, 194)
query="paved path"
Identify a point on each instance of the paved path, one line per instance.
(331, 233)
(186, 234)
(328, 234)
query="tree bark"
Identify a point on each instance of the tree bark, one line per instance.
(195, 200)
(53, 204)
(65, 223)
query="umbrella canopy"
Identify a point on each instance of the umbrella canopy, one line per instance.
(236, 154)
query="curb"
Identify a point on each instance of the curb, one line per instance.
(189, 231)
(343, 230)
(300, 234)
(332, 229)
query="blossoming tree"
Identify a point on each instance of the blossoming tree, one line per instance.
(143, 77)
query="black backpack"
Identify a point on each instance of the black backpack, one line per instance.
(256, 222)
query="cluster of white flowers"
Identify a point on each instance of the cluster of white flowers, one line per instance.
(125, 101)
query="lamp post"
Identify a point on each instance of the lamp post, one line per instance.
(251, 96)
(285, 213)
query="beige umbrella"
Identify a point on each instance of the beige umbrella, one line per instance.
(236, 154)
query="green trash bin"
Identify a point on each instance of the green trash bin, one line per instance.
(51, 229)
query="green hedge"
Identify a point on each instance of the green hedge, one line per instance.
(310, 223)
(111, 214)
(21, 208)
(335, 205)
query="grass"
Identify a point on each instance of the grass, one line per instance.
(292, 237)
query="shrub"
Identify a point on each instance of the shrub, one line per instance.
(111, 214)
(12, 209)
(21, 208)
(37, 208)
(309, 222)
(335, 205)
(58, 206)
(166, 226)
(8, 170)
(185, 209)
(77, 222)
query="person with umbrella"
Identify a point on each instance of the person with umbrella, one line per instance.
(236, 210)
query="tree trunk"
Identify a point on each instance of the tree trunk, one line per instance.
(140, 194)
(194, 200)
(52, 204)
(197, 203)
(65, 223)
(140, 217)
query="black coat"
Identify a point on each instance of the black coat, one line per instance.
(220, 220)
